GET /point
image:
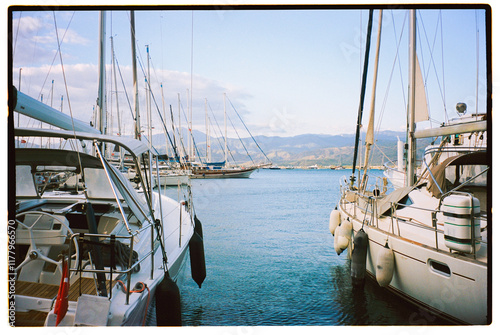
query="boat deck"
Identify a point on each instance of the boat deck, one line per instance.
(49, 291)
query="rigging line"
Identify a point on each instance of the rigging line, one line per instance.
(173, 126)
(32, 61)
(432, 62)
(158, 110)
(180, 133)
(212, 126)
(220, 132)
(258, 146)
(243, 144)
(190, 133)
(55, 55)
(215, 119)
(161, 49)
(17, 34)
(386, 97)
(124, 88)
(67, 94)
(220, 135)
(397, 53)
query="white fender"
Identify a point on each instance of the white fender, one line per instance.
(385, 266)
(344, 232)
(334, 220)
(336, 240)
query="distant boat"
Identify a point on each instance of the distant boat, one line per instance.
(313, 167)
(274, 167)
(208, 169)
(336, 167)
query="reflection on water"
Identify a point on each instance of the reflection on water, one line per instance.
(270, 257)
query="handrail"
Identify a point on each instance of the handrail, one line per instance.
(371, 200)
(126, 271)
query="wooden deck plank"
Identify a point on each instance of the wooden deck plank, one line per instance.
(47, 291)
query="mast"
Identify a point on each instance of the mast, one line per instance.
(362, 95)
(167, 151)
(180, 125)
(148, 101)
(101, 101)
(410, 139)
(150, 125)
(369, 141)
(225, 132)
(137, 131)
(116, 88)
(207, 129)
(188, 125)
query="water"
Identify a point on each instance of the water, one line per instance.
(270, 257)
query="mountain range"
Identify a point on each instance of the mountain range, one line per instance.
(300, 150)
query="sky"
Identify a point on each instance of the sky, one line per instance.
(286, 72)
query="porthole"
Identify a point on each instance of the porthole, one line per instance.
(439, 268)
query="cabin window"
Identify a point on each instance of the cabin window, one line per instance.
(25, 185)
(458, 174)
(97, 184)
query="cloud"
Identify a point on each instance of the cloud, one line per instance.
(82, 82)
(35, 41)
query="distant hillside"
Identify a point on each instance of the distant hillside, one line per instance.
(300, 150)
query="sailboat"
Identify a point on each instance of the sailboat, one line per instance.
(105, 254)
(428, 240)
(209, 169)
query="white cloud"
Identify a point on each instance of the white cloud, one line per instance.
(82, 81)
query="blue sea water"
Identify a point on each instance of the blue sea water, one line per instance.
(270, 258)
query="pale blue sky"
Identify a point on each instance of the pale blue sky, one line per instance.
(287, 72)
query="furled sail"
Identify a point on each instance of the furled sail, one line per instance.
(421, 108)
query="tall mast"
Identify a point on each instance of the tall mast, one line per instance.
(101, 102)
(181, 143)
(207, 129)
(362, 95)
(410, 140)
(225, 132)
(188, 125)
(370, 140)
(101, 95)
(165, 119)
(148, 102)
(137, 132)
(116, 88)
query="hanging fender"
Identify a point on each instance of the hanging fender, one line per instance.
(342, 236)
(168, 303)
(385, 266)
(358, 261)
(334, 220)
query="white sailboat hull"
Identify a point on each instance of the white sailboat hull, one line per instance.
(173, 179)
(420, 277)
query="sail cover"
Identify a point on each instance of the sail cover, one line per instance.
(439, 171)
